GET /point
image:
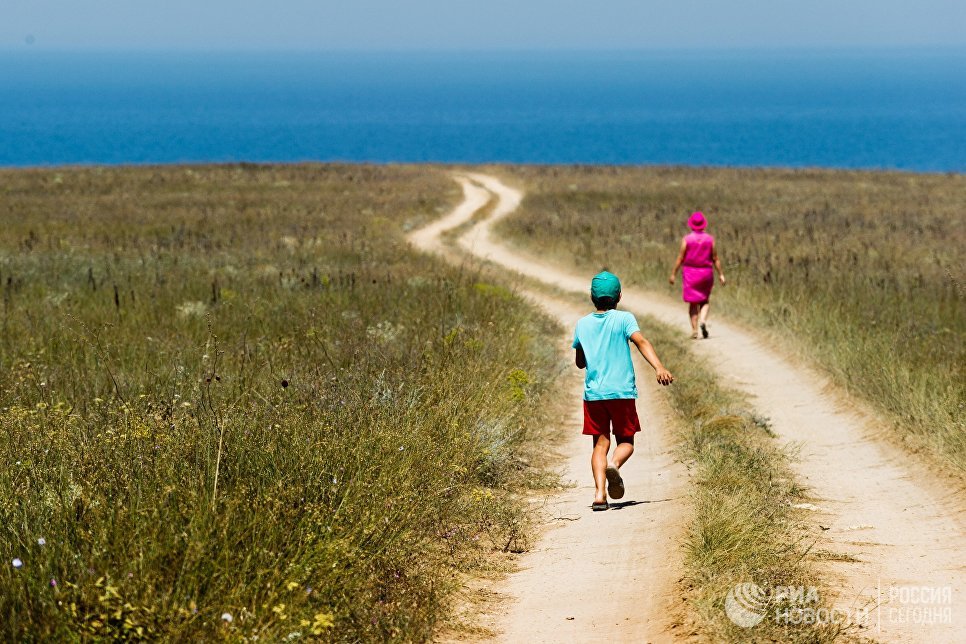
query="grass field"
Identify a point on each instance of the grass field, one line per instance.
(235, 404)
(860, 272)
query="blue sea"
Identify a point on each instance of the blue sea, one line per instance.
(883, 109)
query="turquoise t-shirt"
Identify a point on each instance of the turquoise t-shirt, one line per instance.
(604, 337)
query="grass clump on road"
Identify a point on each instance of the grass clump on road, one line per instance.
(235, 404)
(862, 272)
(743, 528)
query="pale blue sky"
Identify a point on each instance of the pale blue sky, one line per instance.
(479, 24)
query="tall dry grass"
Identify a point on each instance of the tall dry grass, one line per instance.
(861, 272)
(234, 404)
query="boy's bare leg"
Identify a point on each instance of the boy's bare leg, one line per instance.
(598, 463)
(623, 451)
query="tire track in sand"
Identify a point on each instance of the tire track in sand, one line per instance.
(590, 577)
(904, 528)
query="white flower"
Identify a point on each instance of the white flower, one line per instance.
(227, 617)
(385, 332)
(17, 563)
(41, 541)
(192, 309)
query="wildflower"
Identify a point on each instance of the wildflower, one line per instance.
(17, 563)
(322, 622)
(291, 585)
(41, 541)
(284, 383)
(226, 617)
(53, 583)
(191, 309)
(401, 448)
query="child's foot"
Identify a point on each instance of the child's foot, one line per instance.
(704, 330)
(615, 484)
(694, 336)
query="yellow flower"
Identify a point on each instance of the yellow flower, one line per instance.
(291, 585)
(279, 609)
(322, 622)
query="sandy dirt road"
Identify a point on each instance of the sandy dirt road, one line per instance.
(592, 577)
(902, 528)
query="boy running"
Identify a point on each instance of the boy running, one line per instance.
(601, 342)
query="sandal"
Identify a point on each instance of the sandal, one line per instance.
(615, 484)
(599, 507)
(694, 336)
(704, 330)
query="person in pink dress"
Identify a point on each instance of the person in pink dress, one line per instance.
(697, 260)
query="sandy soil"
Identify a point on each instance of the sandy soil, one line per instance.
(894, 533)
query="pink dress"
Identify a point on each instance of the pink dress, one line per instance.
(697, 272)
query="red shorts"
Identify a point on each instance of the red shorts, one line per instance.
(599, 415)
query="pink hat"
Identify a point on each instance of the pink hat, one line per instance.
(697, 222)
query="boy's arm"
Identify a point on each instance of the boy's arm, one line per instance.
(647, 350)
(580, 359)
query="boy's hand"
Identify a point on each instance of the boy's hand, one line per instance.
(664, 377)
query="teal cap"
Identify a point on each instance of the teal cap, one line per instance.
(605, 284)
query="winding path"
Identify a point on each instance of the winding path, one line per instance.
(602, 577)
